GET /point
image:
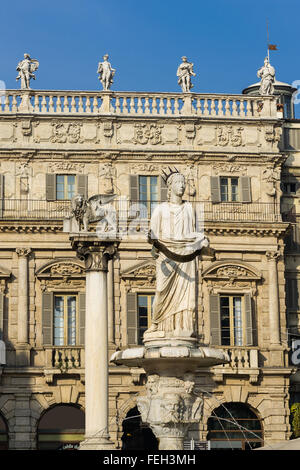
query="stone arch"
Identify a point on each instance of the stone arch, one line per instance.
(136, 435)
(235, 425)
(60, 425)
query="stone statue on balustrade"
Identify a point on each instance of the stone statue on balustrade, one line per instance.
(95, 209)
(267, 75)
(184, 73)
(26, 67)
(176, 245)
(106, 73)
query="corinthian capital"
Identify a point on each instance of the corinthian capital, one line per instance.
(23, 252)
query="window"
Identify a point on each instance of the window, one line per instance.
(289, 188)
(139, 314)
(145, 302)
(231, 320)
(65, 320)
(148, 192)
(229, 189)
(65, 186)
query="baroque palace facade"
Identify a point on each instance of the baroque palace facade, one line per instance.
(239, 156)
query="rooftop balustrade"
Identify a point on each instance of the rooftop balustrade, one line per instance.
(137, 104)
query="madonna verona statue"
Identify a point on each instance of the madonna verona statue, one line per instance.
(176, 245)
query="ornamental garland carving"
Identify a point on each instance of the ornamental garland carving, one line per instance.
(65, 166)
(143, 276)
(66, 269)
(223, 168)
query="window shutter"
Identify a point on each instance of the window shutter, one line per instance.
(163, 190)
(50, 187)
(1, 195)
(215, 319)
(82, 185)
(132, 319)
(134, 187)
(248, 321)
(81, 299)
(1, 315)
(245, 189)
(215, 189)
(47, 318)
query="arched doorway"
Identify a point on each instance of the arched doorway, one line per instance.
(3, 434)
(136, 435)
(61, 428)
(234, 426)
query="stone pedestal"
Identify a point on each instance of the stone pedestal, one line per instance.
(171, 403)
(95, 253)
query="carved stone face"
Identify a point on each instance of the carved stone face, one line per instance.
(178, 185)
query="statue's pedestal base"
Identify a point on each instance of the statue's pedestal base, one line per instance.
(171, 403)
(97, 443)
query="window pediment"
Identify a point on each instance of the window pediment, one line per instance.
(232, 270)
(62, 268)
(142, 275)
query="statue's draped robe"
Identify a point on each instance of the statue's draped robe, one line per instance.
(174, 306)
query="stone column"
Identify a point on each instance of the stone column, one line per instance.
(23, 348)
(95, 254)
(110, 301)
(274, 311)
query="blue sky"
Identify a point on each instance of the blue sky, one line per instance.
(226, 41)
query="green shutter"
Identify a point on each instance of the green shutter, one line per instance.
(134, 187)
(1, 315)
(82, 185)
(47, 318)
(215, 319)
(50, 187)
(248, 320)
(132, 326)
(215, 189)
(81, 299)
(163, 190)
(245, 189)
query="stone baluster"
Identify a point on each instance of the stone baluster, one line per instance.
(77, 358)
(154, 105)
(88, 107)
(14, 105)
(205, 107)
(147, 105)
(118, 107)
(242, 108)
(161, 106)
(80, 104)
(169, 107)
(213, 108)
(198, 106)
(6, 104)
(227, 108)
(220, 107)
(51, 104)
(234, 108)
(58, 104)
(44, 104)
(247, 358)
(139, 105)
(56, 357)
(125, 105)
(274, 313)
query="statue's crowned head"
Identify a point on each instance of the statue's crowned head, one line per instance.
(105, 57)
(175, 182)
(184, 58)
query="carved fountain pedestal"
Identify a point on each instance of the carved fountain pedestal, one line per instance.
(170, 405)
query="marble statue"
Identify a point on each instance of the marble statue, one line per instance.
(106, 73)
(184, 73)
(94, 209)
(267, 75)
(175, 246)
(26, 67)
